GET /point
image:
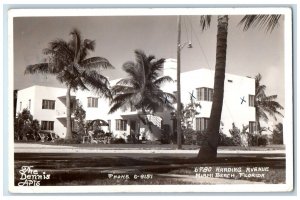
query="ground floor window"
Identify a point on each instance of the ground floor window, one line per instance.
(252, 127)
(47, 125)
(201, 123)
(121, 125)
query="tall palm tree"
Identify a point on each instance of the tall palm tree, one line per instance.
(209, 147)
(264, 105)
(141, 89)
(69, 62)
(208, 150)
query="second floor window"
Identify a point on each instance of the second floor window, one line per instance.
(201, 123)
(204, 94)
(48, 104)
(121, 125)
(251, 100)
(92, 102)
(47, 125)
(29, 104)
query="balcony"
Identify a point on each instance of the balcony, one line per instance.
(60, 114)
(64, 98)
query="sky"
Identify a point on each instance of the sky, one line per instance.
(248, 53)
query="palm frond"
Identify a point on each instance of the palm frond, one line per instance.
(120, 101)
(86, 46)
(115, 107)
(96, 62)
(75, 43)
(41, 68)
(133, 71)
(205, 22)
(97, 82)
(162, 80)
(268, 22)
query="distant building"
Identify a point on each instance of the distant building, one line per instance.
(47, 104)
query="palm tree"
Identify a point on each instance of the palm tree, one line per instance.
(208, 150)
(264, 105)
(142, 87)
(69, 63)
(209, 146)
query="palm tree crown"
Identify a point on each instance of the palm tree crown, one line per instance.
(265, 105)
(69, 63)
(142, 87)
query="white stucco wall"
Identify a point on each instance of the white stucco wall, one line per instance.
(233, 110)
(238, 87)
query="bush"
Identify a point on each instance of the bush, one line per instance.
(236, 135)
(258, 140)
(165, 134)
(262, 140)
(278, 134)
(117, 141)
(201, 136)
(25, 127)
(224, 140)
(64, 141)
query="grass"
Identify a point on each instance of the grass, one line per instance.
(162, 146)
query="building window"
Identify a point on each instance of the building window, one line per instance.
(121, 125)
(47, 125)
(48, 104)
(201, 123)
(252, 127)
(204, 94)
(92, 102)
(29, 104)
(251, 100)
(21, 106)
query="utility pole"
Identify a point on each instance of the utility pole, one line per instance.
(178, 85)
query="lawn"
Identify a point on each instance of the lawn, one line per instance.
(161, 146)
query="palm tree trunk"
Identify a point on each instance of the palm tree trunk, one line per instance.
(208, 150)
(69, 122)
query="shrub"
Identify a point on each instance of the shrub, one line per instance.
(278, 134)
(236, 135)
(117, 141)
(64, 141)
(262, 140)
(165, 134)
(252, 140)
(25, 127)
(258, 140)
(224, 140)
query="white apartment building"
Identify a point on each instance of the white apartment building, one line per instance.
(47, 104)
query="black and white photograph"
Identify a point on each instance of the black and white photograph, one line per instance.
(150, 100)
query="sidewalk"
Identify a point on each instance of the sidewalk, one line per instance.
(42, 148)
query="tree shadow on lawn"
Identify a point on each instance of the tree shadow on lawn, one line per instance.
(90, 169)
